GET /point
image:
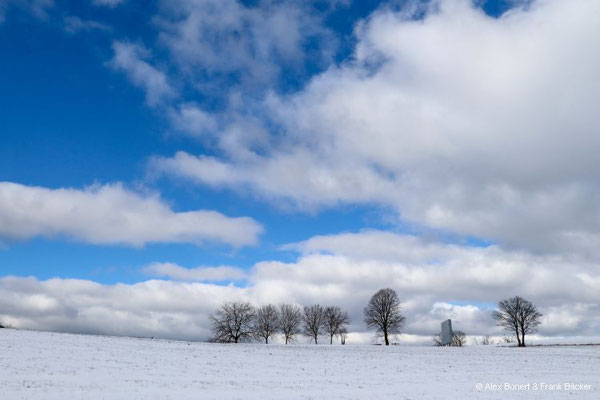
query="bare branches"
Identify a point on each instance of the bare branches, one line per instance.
(313, 318)
(267, 322)
(334, 321)
(233, 322)
(343, 335)
(459, 339)
(519, 316)
(383, 313)
(290, 321)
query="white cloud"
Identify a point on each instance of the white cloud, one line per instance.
(192, 120)
(435, 281)
(109, 214)
(253, 43)
(460, 122)
(74, 24)
(131, 59)
(216, 274)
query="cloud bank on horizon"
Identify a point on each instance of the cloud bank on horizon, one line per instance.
(342, 269)
(457, 123)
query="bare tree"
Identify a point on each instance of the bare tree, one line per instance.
(486, 340)
(290, 321)
(459, 339)
(267, 322)
(233, 322)
(335, 320)
(383, 313)
(313, 318)
(508, 339)
(343, 335)
(519, 316)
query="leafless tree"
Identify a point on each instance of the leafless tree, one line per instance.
(508, 339)
(519, 316)
(343, 335)
(335, 320)
(267, 322)
(486, 340)
(459, 339)
(290, 321)
(313, 318)
(233, 322)
(383, 313)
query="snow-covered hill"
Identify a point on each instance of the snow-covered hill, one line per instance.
(42, 365)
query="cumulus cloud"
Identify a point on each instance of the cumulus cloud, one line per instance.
(216, 274)
(224, 46)
(434, 280)
(459, 121)
(111, 214)
(132, 60)
(192, 120)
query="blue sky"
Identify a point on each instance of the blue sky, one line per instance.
(69, 121)
(446, 148)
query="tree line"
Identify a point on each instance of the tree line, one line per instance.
(236, 322)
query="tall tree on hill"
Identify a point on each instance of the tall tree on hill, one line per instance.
(383, 313)
(519, 316)
(233, 322)
(313, 318)
(335, 321)
(266, 322)
(290, 321)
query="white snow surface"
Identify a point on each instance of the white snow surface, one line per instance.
(44, 365)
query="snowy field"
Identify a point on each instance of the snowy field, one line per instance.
(40, 365)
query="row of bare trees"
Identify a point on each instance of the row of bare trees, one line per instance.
(236, 322)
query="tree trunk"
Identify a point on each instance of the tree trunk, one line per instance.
(267, 340)
(286, 340)
(330, 339)
(385, 336)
